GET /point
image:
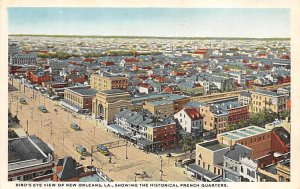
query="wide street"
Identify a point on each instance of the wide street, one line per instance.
(54, 128)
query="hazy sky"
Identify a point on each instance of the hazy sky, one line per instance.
(198, 22)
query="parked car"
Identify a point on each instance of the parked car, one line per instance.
(23, 101)
(55, 97)
(75, 126)
(43, 109)
(81, 150)
(103, 149)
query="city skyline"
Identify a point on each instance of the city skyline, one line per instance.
(183, 22)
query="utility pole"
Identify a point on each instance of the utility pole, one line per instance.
(51, 132)
(126, 149)
(92, 155)
(94, 130)
(32, 93)
(161, 170)
(27, 128)
(17, 105)
(63, 139)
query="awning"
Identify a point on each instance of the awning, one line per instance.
(117, 129)
(144, 142)
(71, 106)
(202, 172)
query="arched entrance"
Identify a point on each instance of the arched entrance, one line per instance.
(100, 111)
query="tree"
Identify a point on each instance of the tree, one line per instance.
(188, 143)
(284, 114)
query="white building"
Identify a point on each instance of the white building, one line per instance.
(190, 120)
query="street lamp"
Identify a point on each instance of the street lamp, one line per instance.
(135, 175)
(161, 171)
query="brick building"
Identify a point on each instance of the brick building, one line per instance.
(78, 99)
(38, 77)
(105, 81)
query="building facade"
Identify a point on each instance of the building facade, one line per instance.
(106, 104)
(190, 120)
(22, 59)
(79, 98)
(108, 82)
(264, 100)
(160, 109)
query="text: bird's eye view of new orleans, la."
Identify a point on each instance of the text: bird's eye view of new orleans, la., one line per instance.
(109, 95)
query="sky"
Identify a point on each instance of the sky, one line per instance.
(161, 22)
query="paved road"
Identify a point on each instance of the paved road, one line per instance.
(53, 128)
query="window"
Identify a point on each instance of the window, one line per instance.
(215, 170)
(242, 170)
(203, 165)
(199, 162)
(208, 167)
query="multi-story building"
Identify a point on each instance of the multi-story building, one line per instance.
(218, 114)
(160, 108)
(148, 133)
(215, 119)
(28, 157)
(38, 77)
(256, 138)
(232, 155)
(245, 98)
(209, 161)
(107, 103)
(79, 99)
(238, 165)
(68, 170)
(236, 112)
(106, 81)
(162, 133)
(268, 100)
(190, 120)
(22, 59)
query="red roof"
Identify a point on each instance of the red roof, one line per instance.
(193, 113)
(198, 85)
(160, 79)
(168, 90)
(144, 85)
(131, 60)
(88, 60)
(108, 63)
(79, 79)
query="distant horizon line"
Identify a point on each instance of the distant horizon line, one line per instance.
(155, 37)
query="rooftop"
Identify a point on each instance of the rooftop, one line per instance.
(27, 148)
(160, 102)
(113, 91)
(244, 132)
(213, 145)
(84, 91)
(266, 92)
